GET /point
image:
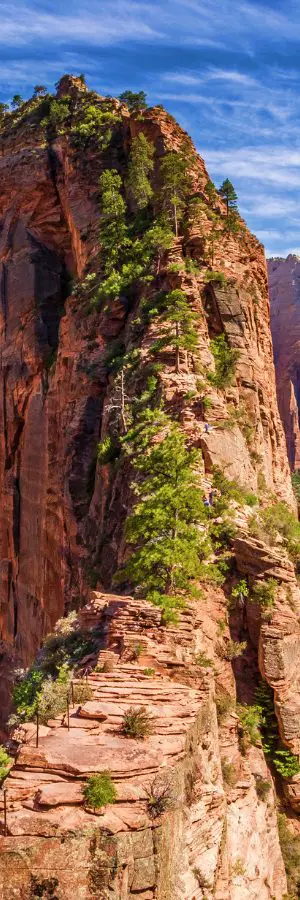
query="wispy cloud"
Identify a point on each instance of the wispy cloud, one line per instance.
(104, 26)
(227, 69)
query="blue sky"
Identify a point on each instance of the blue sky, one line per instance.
(229, 71)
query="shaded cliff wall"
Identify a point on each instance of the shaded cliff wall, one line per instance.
(284, 284)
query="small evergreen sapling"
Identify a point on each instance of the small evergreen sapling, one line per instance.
(99, 790)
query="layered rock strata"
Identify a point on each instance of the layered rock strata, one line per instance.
(205, 840)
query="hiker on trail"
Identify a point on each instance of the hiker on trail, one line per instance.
(206, 500)
(208, 427)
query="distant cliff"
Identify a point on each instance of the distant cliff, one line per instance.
(284, 282)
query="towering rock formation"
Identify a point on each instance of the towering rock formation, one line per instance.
(62, 517)
(284, 281)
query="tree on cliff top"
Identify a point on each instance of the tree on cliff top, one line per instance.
(175, 185)
(39, 90)
(140, 165)
(17, 101)
(135, 102)
(227, 192)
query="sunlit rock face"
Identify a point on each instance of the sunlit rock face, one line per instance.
(284, 285)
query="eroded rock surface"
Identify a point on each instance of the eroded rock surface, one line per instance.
(209, 840)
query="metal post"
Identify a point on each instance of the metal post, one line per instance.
(37, 728)
(72, 693)
(68, 712)
(5, 811)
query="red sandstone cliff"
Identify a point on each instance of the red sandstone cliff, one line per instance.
(62, 520)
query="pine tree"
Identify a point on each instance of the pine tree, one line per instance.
(140, 166)
(210, 191)
(17, 101)
(113, 229)
(212, 238)
(180, 332)
(156, 240)
(135, 102)
(175, 185)
(228, 194)
(232, 225)
(167, 546)
(4, 107)
(39, 90)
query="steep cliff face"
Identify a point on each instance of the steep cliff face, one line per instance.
(284, 281)
(62, 517)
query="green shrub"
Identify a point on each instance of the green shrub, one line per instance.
(232, 649)
(262, 787)
(175, 267)
(222, 533)
(229, 489)
(52, 698)
(296, 485)
(107, 451)
(81, 691)
(218, 277)
(99, 790)
(137, 651)
(278, 519)
(25, 694)
(148, 671)
(228, 772)
(202, 660)
(286, 763)
(191, 266)
(260, 726)
(224, 705)
(226, 360)
(137, 723)
(5, 763)
(240, 590)
(290, 848)
(263, 593)
(250, 717)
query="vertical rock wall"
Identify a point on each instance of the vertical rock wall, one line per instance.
(284, 282)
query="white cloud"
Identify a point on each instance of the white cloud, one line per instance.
(267, 164)
(235, 77)
(21, 24)
(181, 78)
